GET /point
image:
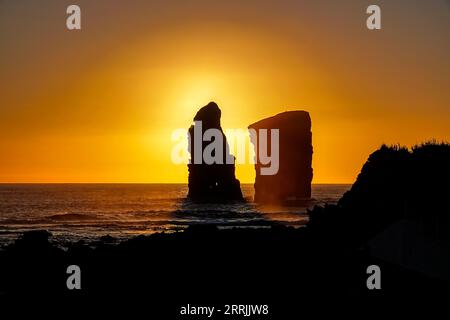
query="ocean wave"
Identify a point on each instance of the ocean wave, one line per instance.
(72, 216)
(89, 211)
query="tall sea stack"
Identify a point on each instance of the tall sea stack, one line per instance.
(294, 176)
(214, 182)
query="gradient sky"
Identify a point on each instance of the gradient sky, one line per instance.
(99, 105)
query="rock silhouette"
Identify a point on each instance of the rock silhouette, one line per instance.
(395, 183)
(396, 208)
(293, 179)
(211, 182)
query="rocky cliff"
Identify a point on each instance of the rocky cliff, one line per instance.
(211, 182)
(293, 179)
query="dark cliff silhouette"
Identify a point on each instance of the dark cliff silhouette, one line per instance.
(211, 182)
(397, 207)
(394, 183)
(293, 179)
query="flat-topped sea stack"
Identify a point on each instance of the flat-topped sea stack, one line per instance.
(211, 182)
(292, 182)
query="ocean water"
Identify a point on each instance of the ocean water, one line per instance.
(72, 212)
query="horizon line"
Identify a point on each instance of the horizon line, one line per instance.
(185, 183)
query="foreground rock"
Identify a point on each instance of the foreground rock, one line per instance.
(396, 209)
(293, 179)
(214, 182)
(277, 265)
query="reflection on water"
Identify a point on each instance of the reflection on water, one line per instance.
(87, 211)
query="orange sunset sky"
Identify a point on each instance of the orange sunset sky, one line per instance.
(100, 104)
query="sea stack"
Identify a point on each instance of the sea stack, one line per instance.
(215, 182)
(294, 176)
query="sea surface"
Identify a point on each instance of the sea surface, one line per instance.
(72, 212)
